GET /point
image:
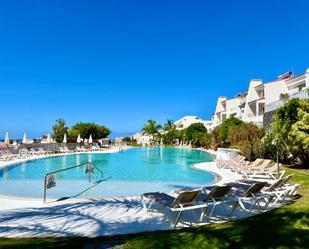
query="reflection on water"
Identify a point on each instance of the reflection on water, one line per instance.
(90, 158)
(77, 159)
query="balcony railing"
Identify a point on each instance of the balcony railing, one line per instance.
(255, 119)
(303, 94)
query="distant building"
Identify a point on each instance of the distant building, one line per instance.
(255, 103)
(186, 121)
(141, 138)
(259, 103)
(119, 139)
(229, 108)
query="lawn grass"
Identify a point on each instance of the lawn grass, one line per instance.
(286, 227)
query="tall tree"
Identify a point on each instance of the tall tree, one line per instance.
(197, 135)
(87, 129)
(247, 138)
(226, 126)
(291, 127)
(169, 125)
(152, 128)
(170, 133)
(59, 129)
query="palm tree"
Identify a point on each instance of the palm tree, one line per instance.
(152, 129)
(169, 125)
(169, 134)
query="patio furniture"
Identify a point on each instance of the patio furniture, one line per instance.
(67, 149)
(281, 189)
(42, 151)
(252, 195)
(211, 195)
(185, 201)
(63, 150)
(266, 172)
(224, 164)
(80, 149)
(33, 152)
(214, 196)
(257, 163)
(4, 156)
(7, 155)
(23, 153)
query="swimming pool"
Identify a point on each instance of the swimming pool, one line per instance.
(126, 173)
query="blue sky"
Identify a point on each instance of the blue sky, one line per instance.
(119, 63)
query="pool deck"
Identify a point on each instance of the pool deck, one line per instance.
(29, 217)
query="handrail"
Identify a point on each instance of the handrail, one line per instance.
(60, 170)
(69, 168)
(99, 170)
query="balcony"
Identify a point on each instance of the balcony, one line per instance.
(303, 94)
(258, 120)
(295, 82)
(232, 111)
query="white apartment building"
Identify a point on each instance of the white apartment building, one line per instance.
(262, 98)
(141, 138)
(255, 103)
(229, 108)
(186, 121)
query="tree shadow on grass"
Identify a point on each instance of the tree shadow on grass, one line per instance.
(275, 229)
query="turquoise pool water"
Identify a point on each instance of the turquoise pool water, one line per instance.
(130, 172)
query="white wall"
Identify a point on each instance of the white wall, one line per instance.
(219, 108)
(251, 96)
(273, 90)
(186, 121)
(232, 106)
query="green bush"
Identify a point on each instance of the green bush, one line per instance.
(226, 126)
(152, 128)
(247, 138)
(59, 129)
(87, 129)
(291, 127)
(197, 135)
(216, 140)
(271, 146)
(84, 129)
(170, 133)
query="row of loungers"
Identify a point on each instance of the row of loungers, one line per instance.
(244, 194)
(65, 149)
(260, 168)
(7, 155)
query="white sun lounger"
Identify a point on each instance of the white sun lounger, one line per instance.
(280, 190)
(267, 172)
(185, 201)
(257, 164)
(226, 164)
(252, 195)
